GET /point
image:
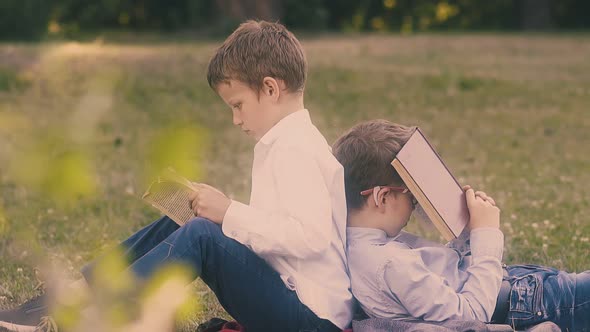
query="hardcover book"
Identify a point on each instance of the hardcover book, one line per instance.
(438, 192)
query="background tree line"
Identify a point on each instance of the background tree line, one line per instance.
(33, 19)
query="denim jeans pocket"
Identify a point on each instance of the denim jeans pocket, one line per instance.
(526, 298)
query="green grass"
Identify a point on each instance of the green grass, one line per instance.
(508, 113)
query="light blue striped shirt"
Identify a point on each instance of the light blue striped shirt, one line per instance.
(407, 277)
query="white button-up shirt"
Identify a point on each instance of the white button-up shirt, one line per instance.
(296, 219)
(395, 278)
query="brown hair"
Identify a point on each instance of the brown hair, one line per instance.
(366, 152)
(258, 49)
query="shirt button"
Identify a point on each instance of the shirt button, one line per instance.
(539, 313)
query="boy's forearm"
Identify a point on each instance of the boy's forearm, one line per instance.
(426, 295)
(410, 279)
(487, 247)
(487, 241)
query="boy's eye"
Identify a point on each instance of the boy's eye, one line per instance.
(237, 106)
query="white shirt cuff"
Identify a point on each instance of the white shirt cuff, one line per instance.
(487, 241)
(233, 221)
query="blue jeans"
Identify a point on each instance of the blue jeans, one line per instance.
(540, 294)
(249, 289)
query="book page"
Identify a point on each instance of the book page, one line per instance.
(170, 194)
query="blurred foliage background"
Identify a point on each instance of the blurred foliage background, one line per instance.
(35, 19)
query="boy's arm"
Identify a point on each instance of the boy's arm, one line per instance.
(426, 295)
(301, 225)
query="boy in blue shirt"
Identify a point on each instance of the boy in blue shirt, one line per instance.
(399, 276)
(277, 263)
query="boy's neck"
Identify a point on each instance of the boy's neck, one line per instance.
(290, 103)
(367, 218)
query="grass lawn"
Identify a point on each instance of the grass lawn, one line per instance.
(510, 114)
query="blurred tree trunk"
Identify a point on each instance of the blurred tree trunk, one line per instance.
(241, 10)
(536, 14)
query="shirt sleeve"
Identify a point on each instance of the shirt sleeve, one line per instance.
(300, 225)
(427, 295)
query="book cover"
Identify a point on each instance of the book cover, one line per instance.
(434, 186)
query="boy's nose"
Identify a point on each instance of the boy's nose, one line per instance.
(237, 120)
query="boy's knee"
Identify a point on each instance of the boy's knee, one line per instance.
(200, 227)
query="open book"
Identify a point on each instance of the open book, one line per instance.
(430, 181)
(170, 194)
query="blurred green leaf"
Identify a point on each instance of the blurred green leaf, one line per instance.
(59, 169)
(181, 147)
(4, 226)
(167, 290)
(111, 275)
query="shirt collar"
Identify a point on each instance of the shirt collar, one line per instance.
(294, 120)
(365, 234)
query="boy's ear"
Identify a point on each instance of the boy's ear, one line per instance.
(380, 198)
(271, 88)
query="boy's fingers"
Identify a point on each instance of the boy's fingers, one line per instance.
(191, 198)
(197, 208)
(466, 187)
(194, 202)
(491, 200)
(481, 193)
(485, 197)
(470, 195)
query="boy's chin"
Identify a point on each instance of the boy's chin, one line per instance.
(251, 134)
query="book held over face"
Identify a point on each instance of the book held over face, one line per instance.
(430, 181)
(170, 194)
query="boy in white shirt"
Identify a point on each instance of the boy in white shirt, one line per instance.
(397, 275)
(278, 263)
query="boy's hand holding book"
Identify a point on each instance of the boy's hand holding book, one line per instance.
(483, 211)
(171, 192)
(208, 202)
(441, 198)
